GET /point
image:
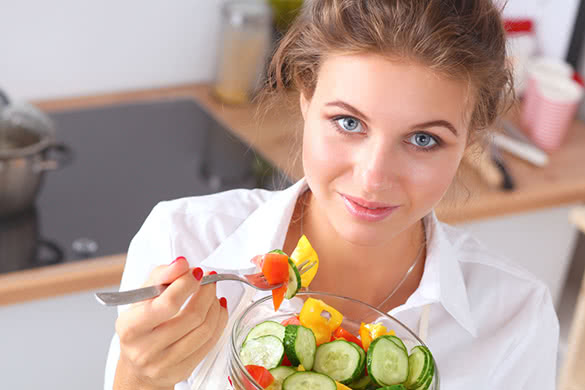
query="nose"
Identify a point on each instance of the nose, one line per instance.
(375, 168)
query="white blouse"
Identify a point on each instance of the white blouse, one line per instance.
(491, 324)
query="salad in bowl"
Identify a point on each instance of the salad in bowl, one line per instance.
(323, 341)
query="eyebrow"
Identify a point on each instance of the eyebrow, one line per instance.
(355, 111)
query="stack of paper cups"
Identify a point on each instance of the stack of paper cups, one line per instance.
(550, 102)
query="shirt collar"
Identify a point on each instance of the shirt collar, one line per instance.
(265, 229)
(443, 279)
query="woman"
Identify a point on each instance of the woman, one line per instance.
(391, 94)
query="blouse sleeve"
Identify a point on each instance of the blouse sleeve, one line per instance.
(532, 362)
(150, 247)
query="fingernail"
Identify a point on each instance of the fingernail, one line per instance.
(177, 259)
(212, 273)
(198, 273)
(223, 302)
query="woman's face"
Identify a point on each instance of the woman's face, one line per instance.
(382, 142)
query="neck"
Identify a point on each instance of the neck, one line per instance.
(369, 274)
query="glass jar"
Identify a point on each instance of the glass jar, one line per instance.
(243, 49)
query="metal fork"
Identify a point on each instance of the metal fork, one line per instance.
(258, 281)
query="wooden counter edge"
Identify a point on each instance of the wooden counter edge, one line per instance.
(60, 279)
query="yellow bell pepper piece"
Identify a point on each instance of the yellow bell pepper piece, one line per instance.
(304, 251)
(370, 332)
(365, 336)
(341, 386)
(376, 330)
(312, 318)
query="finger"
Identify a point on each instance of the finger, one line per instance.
(189, 318)
(166, 274)
(150, 314)
(196, 357)
(195, 339)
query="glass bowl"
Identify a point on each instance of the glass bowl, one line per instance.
(354, 313)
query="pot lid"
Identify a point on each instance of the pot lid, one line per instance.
(24, 130)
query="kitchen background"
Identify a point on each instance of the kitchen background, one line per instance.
(68, 48)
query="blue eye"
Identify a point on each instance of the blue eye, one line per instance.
(349, 124)
(423, 140)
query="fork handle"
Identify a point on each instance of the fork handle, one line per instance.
(141, 294)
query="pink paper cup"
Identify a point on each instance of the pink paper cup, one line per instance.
(555, 103)
(538, 71)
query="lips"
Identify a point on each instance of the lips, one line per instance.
(367, 211)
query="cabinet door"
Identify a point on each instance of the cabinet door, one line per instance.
(56, 343)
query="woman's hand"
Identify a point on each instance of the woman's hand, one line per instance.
(160, 343)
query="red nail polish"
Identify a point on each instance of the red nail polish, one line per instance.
(177, 259)
(212, 273)
(198, 273)
(223, 302)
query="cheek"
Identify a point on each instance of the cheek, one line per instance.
(323, 156)
(427, 181)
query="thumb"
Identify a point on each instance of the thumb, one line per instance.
(166, 274)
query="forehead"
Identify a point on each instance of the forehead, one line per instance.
(384, 89)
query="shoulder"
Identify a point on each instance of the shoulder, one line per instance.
(192, 226)
(500, 292)
(474, 257)
(237, 204)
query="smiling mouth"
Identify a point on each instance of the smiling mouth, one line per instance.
(365, 210)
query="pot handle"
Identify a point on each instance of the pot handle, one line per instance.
(63, 158)
(56, 253)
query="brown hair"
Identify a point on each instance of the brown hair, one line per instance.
(460, 39)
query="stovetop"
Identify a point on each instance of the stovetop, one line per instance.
(126, 158)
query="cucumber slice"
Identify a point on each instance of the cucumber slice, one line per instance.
(397, 341)
(294, 280)
(280, 373)
(266, 328)
(362, 357)
(307, 380)
(338, 359)
(294, 276)
(393, 387)
(419, 366)
(300, 346)
(426, 385)
(360, 383)
(387, 362)
(265, 351)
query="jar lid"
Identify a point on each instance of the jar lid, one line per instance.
(240, 12)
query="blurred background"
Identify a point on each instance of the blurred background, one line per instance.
(109, 107)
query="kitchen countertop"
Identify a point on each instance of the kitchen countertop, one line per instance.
(561, 182)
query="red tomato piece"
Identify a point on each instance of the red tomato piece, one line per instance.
(275, 268)
(286, 362)
(291, 321)
(344, 334)
(278, 296)
(260, 375)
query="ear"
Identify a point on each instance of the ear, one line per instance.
(304, 103)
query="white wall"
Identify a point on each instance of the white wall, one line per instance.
(73, 47)
(554, 21)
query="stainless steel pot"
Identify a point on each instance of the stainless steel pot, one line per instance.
(22, 247)
(27, 142)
